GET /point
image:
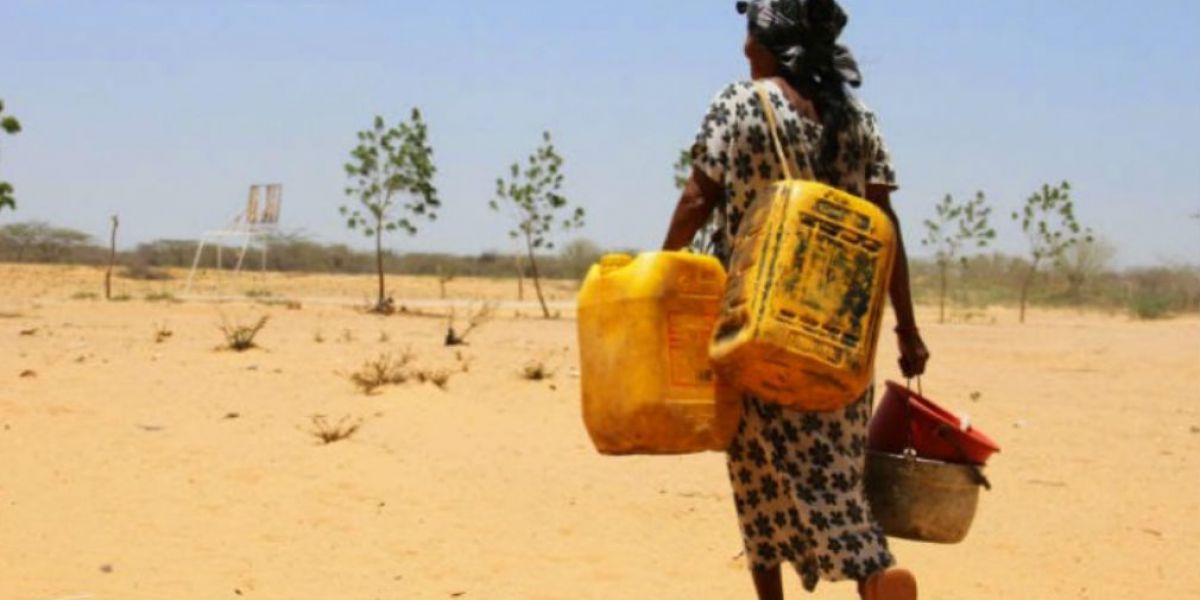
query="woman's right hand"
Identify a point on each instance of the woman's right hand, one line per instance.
(913, 353)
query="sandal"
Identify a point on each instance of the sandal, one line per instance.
(891, 584)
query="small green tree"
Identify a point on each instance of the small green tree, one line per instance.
(10, 125)
(391, 176)
(957, 225)
(1048, 220)
(704, 242)
(531, 195)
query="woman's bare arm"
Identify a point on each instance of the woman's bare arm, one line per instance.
(913, 354)
(700, 196)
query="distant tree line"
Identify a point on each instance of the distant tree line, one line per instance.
(1084, 276)
(38, 242)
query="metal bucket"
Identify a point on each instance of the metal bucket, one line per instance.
(920, 499)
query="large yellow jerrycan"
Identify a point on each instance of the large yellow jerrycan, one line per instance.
(807, 286)
(644, 328)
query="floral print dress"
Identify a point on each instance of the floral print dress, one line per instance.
(797, 476)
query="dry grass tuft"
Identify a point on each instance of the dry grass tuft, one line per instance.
(160, 297)
(384, 307)
(537, 370)
(382, 371)
(388, 369)
(239, 337)
(162, 333)
(329, 433)
(438, 377)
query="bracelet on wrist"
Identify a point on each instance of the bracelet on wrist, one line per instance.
(903, 330)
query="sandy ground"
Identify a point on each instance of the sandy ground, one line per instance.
(137, 469)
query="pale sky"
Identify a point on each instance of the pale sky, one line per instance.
(166, 111)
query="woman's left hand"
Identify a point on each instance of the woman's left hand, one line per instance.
(913, 353)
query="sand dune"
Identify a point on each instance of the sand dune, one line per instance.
(134, 469)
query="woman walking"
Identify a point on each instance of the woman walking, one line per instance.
(797, 476)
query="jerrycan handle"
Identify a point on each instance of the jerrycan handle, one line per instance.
(612, 262)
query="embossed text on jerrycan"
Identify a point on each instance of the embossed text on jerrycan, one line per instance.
(807, 284)
(644, 328)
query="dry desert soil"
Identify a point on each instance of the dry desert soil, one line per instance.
(145, 468)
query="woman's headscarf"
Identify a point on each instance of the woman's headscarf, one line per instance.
(802, 35)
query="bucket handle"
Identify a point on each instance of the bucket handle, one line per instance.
(911, 450)
(942, 431)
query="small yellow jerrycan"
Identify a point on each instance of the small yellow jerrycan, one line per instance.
(644, 328)
(807, 285)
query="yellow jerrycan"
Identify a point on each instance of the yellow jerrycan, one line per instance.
(807, 286)
(808, 278)
(644, 328)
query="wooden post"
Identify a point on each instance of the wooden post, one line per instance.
(112, 258)
(443, 279)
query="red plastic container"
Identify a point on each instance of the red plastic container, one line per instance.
(936, 433)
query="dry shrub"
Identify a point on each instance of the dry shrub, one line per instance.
(329, 433)
(162, 333)
(1149, 305)
(387, 369)
(537, 370)
(382, 371)
(476, 317)
(239, 337)
(160, 297)
(1163, 292)
(438, 377)
(85, 296)
(384, 307)
(145, 273)
(543, 367)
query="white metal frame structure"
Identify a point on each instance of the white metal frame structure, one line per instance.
(256, 223)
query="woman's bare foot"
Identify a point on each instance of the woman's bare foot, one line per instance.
(890, 584)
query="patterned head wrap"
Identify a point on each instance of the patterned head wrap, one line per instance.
(802, 35)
